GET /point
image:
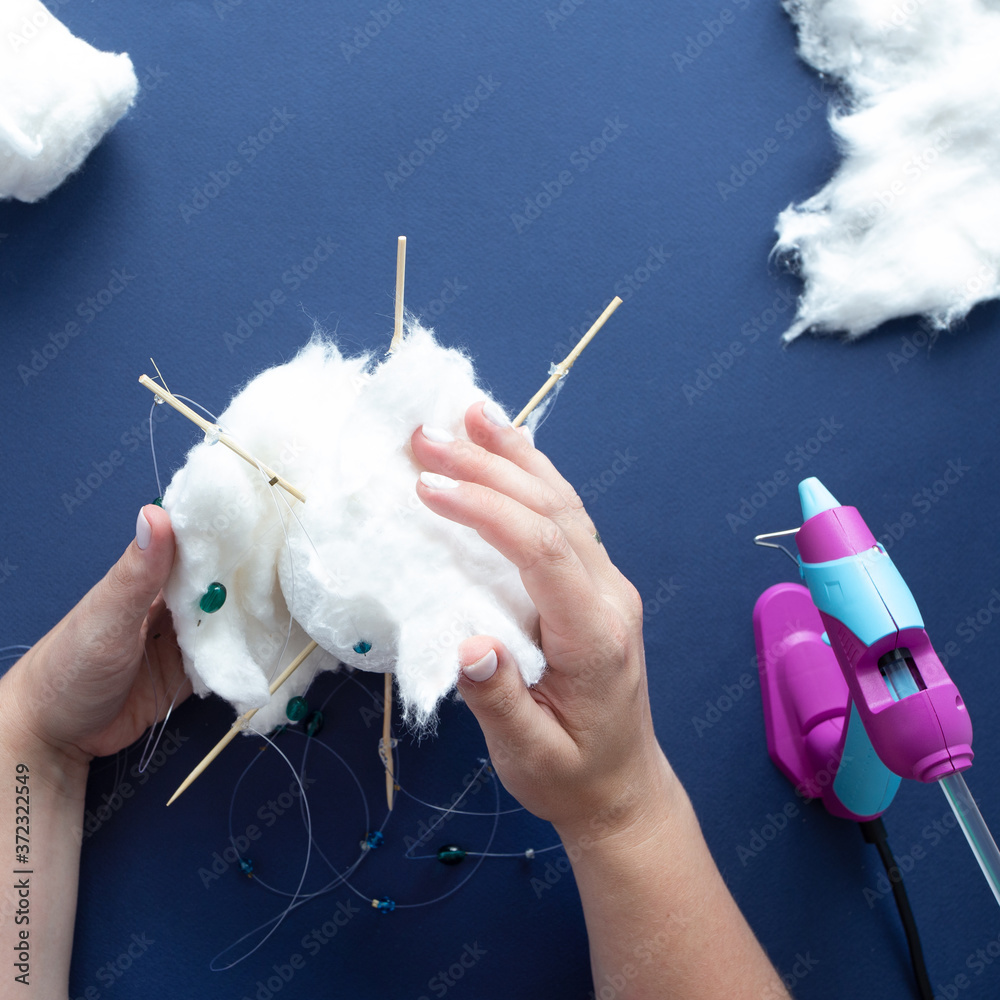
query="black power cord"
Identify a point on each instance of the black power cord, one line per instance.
(873, 830)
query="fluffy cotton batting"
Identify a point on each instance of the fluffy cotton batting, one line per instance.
(362, 564)
(58, 97)
(910, 222)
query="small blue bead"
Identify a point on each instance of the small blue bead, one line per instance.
(314, 723)
(247, 865)
(374, 840)
(213, 598)
(386, 905)
(451, 854)
(362, 647)
(297, 708)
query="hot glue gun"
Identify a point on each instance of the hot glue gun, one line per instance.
(855, 698)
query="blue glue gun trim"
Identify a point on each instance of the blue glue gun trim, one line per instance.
(864, 592)
(863, 783)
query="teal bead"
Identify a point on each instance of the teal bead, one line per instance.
(362, 647)
(247, 866)
(314, 723)
(158, 501)
(213, 598)
(384, 905)
(451, 854)
(297, 709)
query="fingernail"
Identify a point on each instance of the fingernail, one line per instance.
(437, 482)
(495, 415)
(143, 531)
(525, 432)
(437, 434)
(484, 669)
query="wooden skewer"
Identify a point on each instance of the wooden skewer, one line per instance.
(390, 778)
(397, 330)
(240, 724)
(564, 366)
(397, 339)
(213, 429)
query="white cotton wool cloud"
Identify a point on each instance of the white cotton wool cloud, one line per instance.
(58, 97)
(362, 567)
(910, 222)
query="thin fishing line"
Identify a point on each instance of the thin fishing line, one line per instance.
(305, 868)
(540, 414)
(302, 773)
(156, 469)
(457, 812)
(476, 866)
(149, 750)
(298, 897)
(340, 877)
(159, 402)
(204, 409)
(534, 851)
(450, 810)
(364, 798)
(471, 873)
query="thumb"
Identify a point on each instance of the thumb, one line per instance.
(492, 686)
(113, 611)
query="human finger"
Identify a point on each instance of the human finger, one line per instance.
(488, 425)
(507, 462)
(522, 732)
(555, 578)
(108, 621)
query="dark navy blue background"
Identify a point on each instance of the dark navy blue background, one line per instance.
(665, 427)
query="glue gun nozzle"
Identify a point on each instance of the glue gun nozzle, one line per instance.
(815, 498)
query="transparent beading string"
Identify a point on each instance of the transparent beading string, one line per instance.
(215, 965)
(157, 730)
(345, 876)
(540, 414)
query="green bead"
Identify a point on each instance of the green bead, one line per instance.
(314, 723)
(158, 501)
(213, 598)
(451, 854)
(297, 709)
(362, 647)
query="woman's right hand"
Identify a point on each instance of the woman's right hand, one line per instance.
(578, 748)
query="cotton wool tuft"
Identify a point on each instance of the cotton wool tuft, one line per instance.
(58, 97)
(362, 563)
(910, 223)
